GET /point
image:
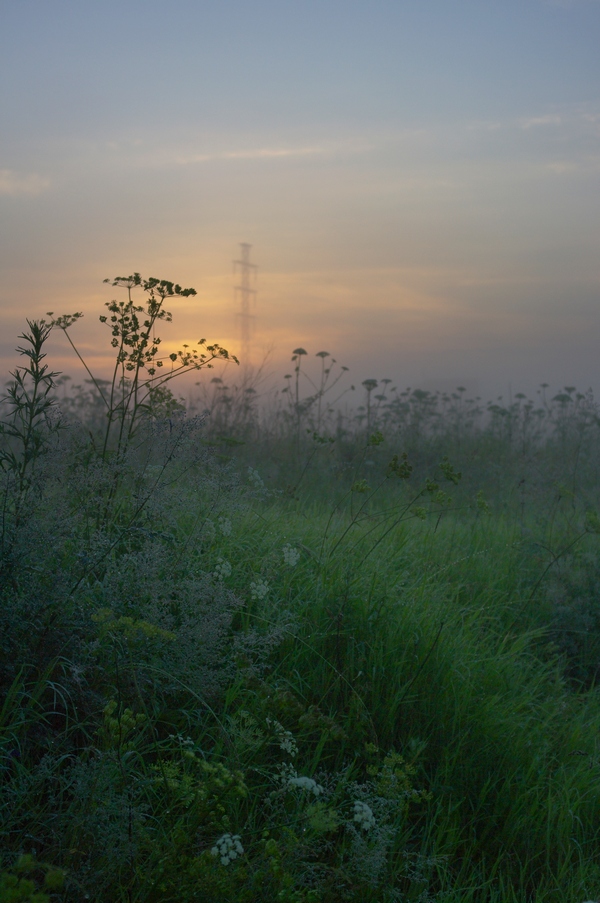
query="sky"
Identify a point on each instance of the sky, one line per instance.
(419, 180)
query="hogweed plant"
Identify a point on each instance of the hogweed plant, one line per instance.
(315, 403)
(138, 394)
(140, 375)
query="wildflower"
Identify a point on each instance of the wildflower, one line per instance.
(286, 772)
(289, 777)
(291, 556)
(222, 569)
(309, 785)
(228, 847)
(363, 815)
(288, 744)
(259, 589)
(225, 526)
(286, 739)
(255, 478)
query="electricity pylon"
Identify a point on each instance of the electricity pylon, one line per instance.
(247, 271)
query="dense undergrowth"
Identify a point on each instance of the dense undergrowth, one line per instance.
(292, 654)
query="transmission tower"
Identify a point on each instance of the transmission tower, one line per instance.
(243, 291)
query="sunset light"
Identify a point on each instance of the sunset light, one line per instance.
(418, 181)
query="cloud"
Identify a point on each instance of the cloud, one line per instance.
(536, 121)
(567, 115)
(269, 152)
(561, 167)
(13, 184)
(263, 153)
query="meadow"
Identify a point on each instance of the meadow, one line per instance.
(293, 650)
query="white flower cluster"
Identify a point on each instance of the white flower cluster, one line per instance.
(291, 556)
(225, 526)
(363, 815)
(228, 848)
(289, 777)
(259, 589)
(222, 569)
(286, 739)
(306, 784)
(286, 771)
(288, 744)
(255, 478)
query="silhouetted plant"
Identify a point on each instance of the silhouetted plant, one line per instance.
(300, 407)
(139, 383)
(26, 432)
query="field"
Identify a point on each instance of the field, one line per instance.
(294, 652)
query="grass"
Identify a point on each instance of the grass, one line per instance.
(264, 658)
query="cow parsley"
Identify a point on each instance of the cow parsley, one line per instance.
(227, 848)
(225, 526)
(291, 556)
(363, 816)
(285, 738)
(306, 784)
(222, 569)
(259, 589)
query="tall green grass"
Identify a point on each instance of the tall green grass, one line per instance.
(299, 655)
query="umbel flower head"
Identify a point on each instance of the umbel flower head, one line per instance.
(222, 569)
(308, 784)
(291, 556)
(228, 847)
(363, 816)
(259, 589)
